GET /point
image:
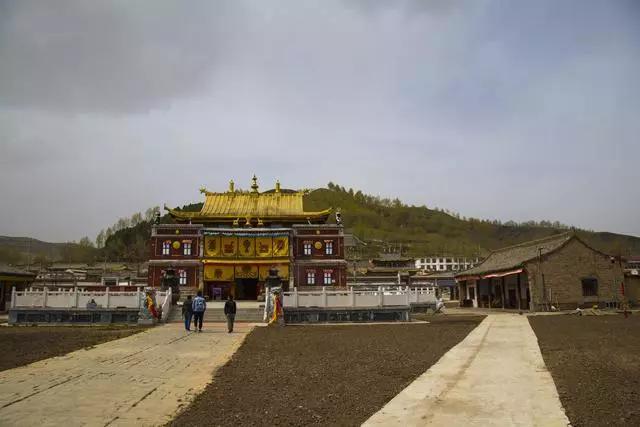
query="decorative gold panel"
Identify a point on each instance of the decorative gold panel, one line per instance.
(246, 271)
(264, 246)
(220, 273)
(247, 247)
(212, 246)
(280, 246)
(229, 246)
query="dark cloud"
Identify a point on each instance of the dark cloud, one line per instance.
(510, 110)
(113, 56)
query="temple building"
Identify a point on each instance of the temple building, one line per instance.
(229, 246)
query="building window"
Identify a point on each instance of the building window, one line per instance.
(589, 287)
(307, 248)
(328, 248)
(166, 248)
(311, 277)
(182, 277)
(187, 248)
(328, 278)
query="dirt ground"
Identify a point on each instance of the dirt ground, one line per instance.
(327, 375)
(595, 363)
(21, 345)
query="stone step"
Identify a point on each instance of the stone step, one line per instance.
(217, 315)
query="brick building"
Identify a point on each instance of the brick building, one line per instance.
(230, 245)
(560, 270)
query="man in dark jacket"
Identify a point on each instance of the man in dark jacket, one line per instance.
(230, 312)
(187, 312)
(199, 306)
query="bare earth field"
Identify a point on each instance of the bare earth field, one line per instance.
(22, 345)
(329, 375)
(595, 363)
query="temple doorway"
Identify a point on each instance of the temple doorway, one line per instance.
(246, 289)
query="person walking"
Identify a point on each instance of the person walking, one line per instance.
(199, 306)
(230, 312)
(187, 312)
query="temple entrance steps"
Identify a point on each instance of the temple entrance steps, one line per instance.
(216, 314)
(184, 292)
(242, 315)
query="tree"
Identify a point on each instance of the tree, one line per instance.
(149, 214)
(100, 238)
(86, 242)
(136, 219)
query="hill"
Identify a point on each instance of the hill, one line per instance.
(25, 250)
(417, 230)
(423, 231)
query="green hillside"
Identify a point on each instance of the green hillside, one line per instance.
(25, 250)
(380, 222)
(424, 231)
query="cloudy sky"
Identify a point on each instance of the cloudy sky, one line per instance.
(496, 109)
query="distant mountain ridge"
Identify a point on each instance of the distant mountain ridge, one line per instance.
(416, 231)
(422, 231)
(24, 250)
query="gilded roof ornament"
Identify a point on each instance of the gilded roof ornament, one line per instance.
(254, 185)
(231, 186)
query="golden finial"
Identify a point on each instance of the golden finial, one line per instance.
(203, 190)
(254, 186)
(231, 186)
(277, 186)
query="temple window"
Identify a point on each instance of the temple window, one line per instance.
(311, 277)
(307, 248)
(187, 248)
(182, 275)
(328, 278)
(328, 248)
(166, 248)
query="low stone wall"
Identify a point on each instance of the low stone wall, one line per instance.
(422, 307)
(347, 314)
(29, 316)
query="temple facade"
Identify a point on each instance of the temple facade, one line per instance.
(229, 246)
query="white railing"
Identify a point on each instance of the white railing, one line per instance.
(350, 298)
(165, 304)
(75, 298)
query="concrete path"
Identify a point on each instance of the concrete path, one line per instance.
(495, 377)
(141, 380)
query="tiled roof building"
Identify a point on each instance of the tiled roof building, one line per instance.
(560, 271)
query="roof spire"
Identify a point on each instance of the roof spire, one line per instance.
(254, 186)
(231, 187)
(277, 186)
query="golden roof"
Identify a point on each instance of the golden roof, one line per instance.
(271, 206)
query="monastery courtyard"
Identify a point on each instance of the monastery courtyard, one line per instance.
(455, 369)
